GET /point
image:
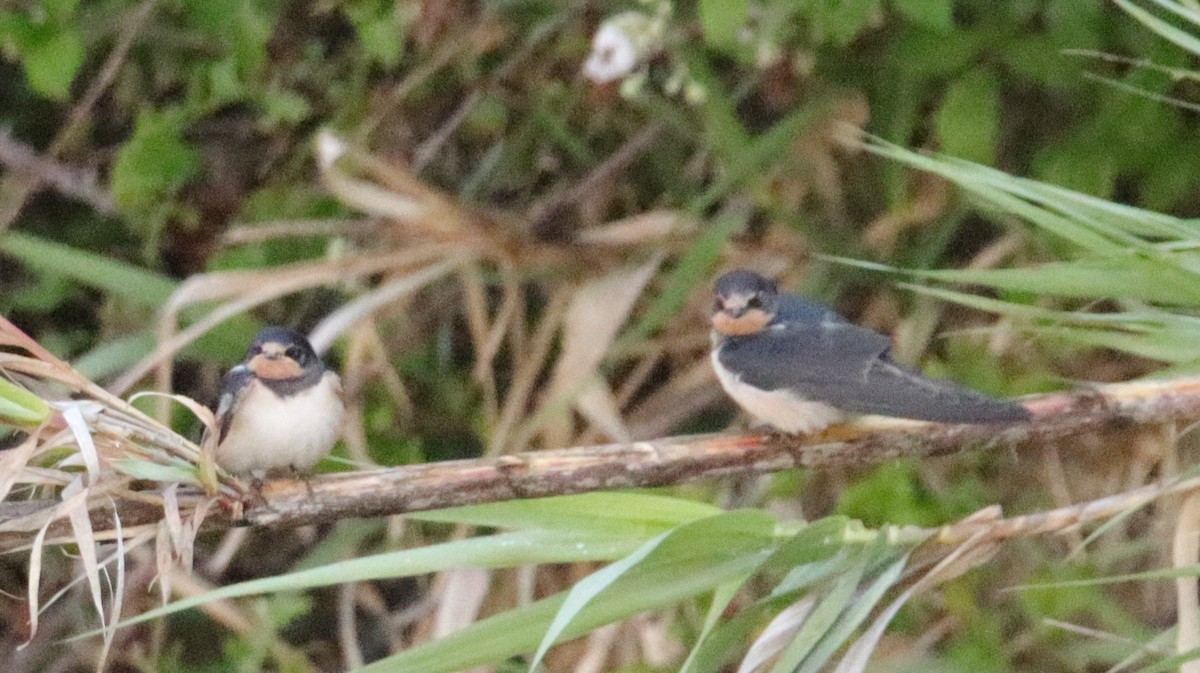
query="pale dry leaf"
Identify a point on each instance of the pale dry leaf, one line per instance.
(638, 230)
(344, 318)
(253, 288)
(598, 405)
(72, 414)
(164, 561)
(404, 198)
(14, 460)
(462, 596)
(974, 551)
(81, 528)
(597, 311)
(600, 643)
(1185, 553)
(118, 594)
(778, 634)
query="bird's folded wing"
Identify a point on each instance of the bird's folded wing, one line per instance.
(805, 357)
(848, 367)
(233, 386)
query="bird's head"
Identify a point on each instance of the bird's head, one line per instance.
(743, 303)
(281, 354)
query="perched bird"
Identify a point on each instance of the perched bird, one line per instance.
(800, 367)
(279, 409)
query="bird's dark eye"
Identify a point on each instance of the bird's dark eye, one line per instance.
(754, 302)
(293, 353)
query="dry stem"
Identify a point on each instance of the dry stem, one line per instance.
(288, 502)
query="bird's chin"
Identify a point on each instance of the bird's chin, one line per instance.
(278, 369)
(750, 322)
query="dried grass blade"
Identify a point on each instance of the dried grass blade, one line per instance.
(599, 406)
(1185, 553)
(73, 415)
(972, 552)
(14, 460)
(341, 320)
(597, 311)
(118, 594)
(777, 635)
(81, 528)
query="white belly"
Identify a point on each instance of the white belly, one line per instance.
(270, 432)
(783, 409)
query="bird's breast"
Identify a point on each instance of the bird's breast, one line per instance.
(270, 431)
(782, 408)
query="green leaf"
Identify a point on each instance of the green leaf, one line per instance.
(683, 565)
(115, 355)
(1180, 38)
(823, 616)
(721, 598)
(143, 469)
(853, 616)
(136, 285)
(1157, 281)
(626, 514)
(19, 406)
(840, 21)
(968, 122)
(51, 65)
(1077, 218)
(890, 493)
(493, 551)
(154, 162)
(935, 14)
(722, 20)
(666, 549)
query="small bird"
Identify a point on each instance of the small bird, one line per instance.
(279, 409)
(800, 367)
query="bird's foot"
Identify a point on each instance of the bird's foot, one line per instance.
(305, 477)
(836, 433)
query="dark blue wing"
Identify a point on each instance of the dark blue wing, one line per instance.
(233, 386)
(848, 367)
(811, 358)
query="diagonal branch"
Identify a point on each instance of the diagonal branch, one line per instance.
(397, 490)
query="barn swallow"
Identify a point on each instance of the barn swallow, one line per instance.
(279, 409)
(801, 367)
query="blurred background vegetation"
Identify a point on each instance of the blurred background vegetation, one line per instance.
(162, 154)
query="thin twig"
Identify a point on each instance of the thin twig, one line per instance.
(131, 25)
(76, 183)
(397, 490)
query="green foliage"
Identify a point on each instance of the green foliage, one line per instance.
(155, 162)
(47, 41)
(968, 122)
(1142, 259)
(20, 407)
(487, 104)
(893, 494)
(722, 20)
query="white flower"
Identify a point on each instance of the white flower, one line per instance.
(621, 44)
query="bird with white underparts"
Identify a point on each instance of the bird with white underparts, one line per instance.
(800, 367)
(281, 409)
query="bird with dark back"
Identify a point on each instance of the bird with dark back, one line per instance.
(800, 367)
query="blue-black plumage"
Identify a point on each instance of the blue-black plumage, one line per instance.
(280, 409)
(800, 367)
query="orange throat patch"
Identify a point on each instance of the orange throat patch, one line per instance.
(750, 322)
(279, 369)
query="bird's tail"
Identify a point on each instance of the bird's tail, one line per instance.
(894, 390)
